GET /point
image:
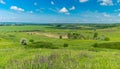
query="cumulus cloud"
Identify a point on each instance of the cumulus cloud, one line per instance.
(16, 8)
(72, 8)
(106, 2)
(63, 10)
(2, 2)
(82, 1)
(52, 3)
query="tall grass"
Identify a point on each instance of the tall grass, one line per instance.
(67, 60)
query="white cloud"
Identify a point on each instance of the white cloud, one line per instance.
(106, 15)
(119, 14)
(2, 2)
(118, 1)
(52, 3)
(72, 8)
(16, 8)
(35, 3)
(106, 2)
(82, 1)
(63, 10)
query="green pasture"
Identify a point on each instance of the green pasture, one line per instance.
(80, 53)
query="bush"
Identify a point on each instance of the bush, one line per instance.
(95, 45)
(107, 39)
(65, 45)
(60, 36)
(11, 35)
(41, 44)
(23, 41)
(95, 36)
(110, 45)
(31, 40)
(0, 39)
(69, 35)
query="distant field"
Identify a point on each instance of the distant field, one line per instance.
(59, 53)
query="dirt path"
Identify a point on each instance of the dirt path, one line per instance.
(48, 35)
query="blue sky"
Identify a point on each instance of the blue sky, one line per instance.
(60, 11)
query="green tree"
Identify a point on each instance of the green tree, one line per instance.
(69, 35)
(60, 36)
(23, 41)
(95, 35)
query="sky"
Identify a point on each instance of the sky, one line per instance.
(60, 11)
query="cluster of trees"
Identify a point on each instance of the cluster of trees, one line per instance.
(75, 36)
(80, 36)
(96, 37)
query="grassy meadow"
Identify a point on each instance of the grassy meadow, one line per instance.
(48, 46)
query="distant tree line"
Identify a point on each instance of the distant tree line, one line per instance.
(84, 26)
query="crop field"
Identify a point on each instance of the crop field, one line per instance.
(60, 46)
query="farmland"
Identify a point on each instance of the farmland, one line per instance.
(49, 47)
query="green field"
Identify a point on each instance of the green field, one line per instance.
(48, 51)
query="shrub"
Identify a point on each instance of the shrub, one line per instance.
(60, 36)
(41, 44)
(23, 41)
(0, 39)
(31, 40)
(95, 36)
(11, 35)
(107, 39)
(95, 45)
(69, 35)
(65, 45)
(110, 45)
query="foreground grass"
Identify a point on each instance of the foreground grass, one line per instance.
(66, 59)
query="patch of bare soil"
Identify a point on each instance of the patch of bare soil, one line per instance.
(47, 35)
